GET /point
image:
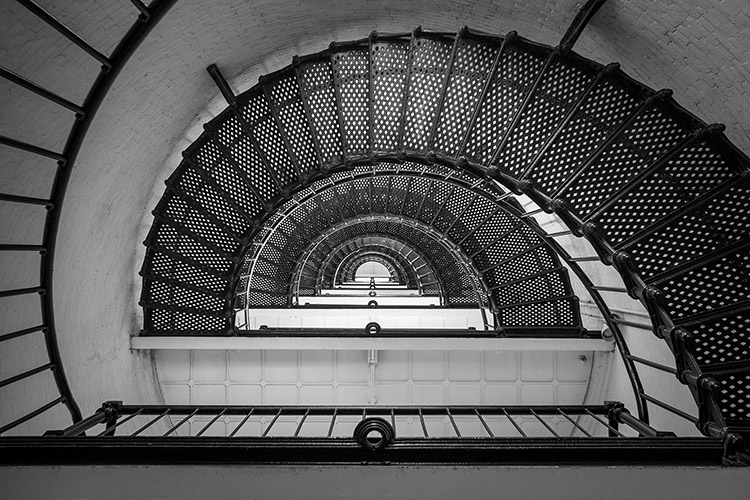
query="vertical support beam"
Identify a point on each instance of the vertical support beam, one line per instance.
(579, 23)
(223, 85)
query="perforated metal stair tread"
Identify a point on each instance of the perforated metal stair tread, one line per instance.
(401, 130)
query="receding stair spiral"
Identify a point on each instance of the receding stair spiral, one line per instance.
(416, 133)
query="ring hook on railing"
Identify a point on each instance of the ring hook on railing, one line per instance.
(372, 327)
(374, 433)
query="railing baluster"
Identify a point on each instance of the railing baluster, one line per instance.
(31, 415)
(275, 418)
(302, 421)
(670, 408)
(574, 423)
(21, 333)
(110, 430)
(33, 87)
(150, 423)
(236, 429)
(333, 422)
(642, 326)
(421, 420)
(513, 421)
(652, 364)
(453, 422)
(67, 33)
(544, 423)
(13, 143)
(23, 248)
(200, 433)
(605, 424)
(26, 374)
(484, 424)
(22, 291)
(174, 428)
(27, 200)
(142, 8)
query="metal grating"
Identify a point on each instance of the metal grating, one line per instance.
(285, 98)
(603, 111)
(663, 189)
(651, 134)
(722, 340)
(515, 74)
(559, 89)
(351, 76)
(317, 89)
(471, 68)
(429, 67)
(389, 74)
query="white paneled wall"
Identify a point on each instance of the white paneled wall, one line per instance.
(358, 318)
(397, 378)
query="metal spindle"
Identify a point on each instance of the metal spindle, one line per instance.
(574, 423)
(150, 423)
(31, 415)
(174, 428)
(484, 424)
(605, 424)
(669, 408)
(110, 430)
(513, 421)
(421, 420)
(544, 423)
(67, 33)
(200, 433)
(22, 333)
(275, 418)
(27, 374)
(302, 421)
(453, 422)
(247, 417)
(652, 364)
(33, 87)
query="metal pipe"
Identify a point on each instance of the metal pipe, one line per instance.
(670, 408)
(26, 374)
(33, 87)
(67, 33)
(21, 333)
(31, 415)
(27, 200)
(22, 291)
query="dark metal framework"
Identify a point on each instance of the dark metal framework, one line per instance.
(659, 194)
(65, 161)
(498, 435)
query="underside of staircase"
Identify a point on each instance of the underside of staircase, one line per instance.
(425, 139)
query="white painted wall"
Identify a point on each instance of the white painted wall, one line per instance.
(397, 378)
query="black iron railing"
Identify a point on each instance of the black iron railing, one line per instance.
(600, 434)
(82, 118)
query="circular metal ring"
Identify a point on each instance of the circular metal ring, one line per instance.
(372, 327)
(372, 303)
(374, 433)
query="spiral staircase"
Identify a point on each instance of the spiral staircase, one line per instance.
(441, 130)
(421, 144)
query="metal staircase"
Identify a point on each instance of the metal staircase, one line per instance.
(438, 131)
(427, 138)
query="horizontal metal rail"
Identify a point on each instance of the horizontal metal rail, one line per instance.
(33, 87)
